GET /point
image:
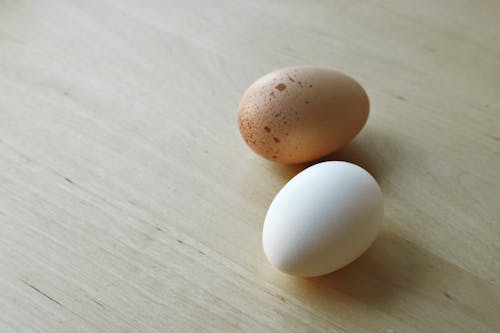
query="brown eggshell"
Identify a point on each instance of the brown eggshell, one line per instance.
(300, 114)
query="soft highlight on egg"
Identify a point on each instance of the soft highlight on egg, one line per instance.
(300, 114)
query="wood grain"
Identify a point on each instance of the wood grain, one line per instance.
(129, 202)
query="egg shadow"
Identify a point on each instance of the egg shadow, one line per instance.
(372, 150)
(388, 269)
(287, 171)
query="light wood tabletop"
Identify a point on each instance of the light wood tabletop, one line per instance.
(130, 203)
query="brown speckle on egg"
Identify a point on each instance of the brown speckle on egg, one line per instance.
(281, 86)
(267, 128)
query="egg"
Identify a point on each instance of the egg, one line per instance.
(323, 219)
(300, 114)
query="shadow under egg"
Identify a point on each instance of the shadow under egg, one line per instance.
(368, 150)
(390, 266)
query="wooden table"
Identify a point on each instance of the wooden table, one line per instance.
(129, 202)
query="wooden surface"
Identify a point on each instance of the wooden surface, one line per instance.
(129, 202)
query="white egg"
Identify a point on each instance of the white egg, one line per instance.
(323, 219)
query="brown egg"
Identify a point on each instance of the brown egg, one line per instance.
(300, 114)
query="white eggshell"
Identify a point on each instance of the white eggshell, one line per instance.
(323, 219)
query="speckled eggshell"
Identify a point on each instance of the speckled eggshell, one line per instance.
(300, 114)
